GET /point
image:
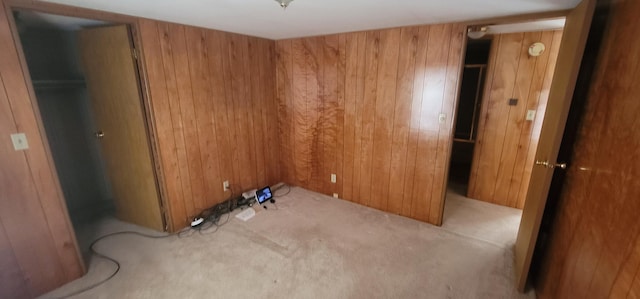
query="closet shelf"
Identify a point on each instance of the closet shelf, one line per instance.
(464, 140)
(57, 83)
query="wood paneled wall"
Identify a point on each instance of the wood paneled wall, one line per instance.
(213, 108)
(365, 106)
(506, 142)
(594, 249)
(38, 250)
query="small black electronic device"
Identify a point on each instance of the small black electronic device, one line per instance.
(263, 195)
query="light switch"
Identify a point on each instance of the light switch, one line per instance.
(531, 114)
(19, 141)
(442, 118)
(333, 178)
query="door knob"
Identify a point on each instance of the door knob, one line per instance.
(99, 134)
(551, 165)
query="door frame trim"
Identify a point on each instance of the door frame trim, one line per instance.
(132, 24)
(520, 285)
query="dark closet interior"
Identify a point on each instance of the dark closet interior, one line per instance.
(467, 114)
(50, 48)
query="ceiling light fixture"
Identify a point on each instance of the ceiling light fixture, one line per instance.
(476, 32)
(284, 3)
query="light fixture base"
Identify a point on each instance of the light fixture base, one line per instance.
(284, 3)
(477, 32)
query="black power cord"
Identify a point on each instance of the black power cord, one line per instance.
(98, 254)
(275, 195)
(214, 215)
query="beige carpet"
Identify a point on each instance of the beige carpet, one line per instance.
(480, 220)
(312, 246)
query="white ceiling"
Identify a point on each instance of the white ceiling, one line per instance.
(265, 18)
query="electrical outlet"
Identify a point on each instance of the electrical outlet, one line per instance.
(225, 186)
(19, 141)
(335, 195)
(442, 118)
(333, 178)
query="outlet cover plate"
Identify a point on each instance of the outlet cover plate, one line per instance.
(19, 141)
(442, 118)
(225, 186)
(531, 114)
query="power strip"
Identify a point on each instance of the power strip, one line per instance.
(249, 194)
(246, 214)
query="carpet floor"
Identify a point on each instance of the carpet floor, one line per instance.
(308, 246)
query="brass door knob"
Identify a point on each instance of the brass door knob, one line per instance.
(547, 164)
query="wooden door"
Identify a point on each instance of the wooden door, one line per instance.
(112, 81)
(564, 81)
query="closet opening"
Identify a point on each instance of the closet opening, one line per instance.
(468, 112)
(87, 89)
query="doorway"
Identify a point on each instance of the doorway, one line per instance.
(502, 103)
(87, 89)
(468, 112)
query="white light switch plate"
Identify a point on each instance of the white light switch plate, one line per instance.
(19, 141)
(333, 178)
(531, 114)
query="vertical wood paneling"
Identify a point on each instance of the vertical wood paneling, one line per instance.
(240, 83)
(349, 138)
(432, 100)
(594, 248)
(213, 104)
(229, 103)
(302, 135)
(415, 120)
(197, 53)
(445, 134)
(176, 123)
(383, 104)
(44, 256)
(258, 127)
(503, 160)
(358, 121)
(330, 108)
(384, 113)
(267, 94)
(185, 92)
(219, 108)
(284, 71)
(313, 104)
(402, 111)
(372, 52)
(515, 119)
(505, 56)
(540, 103)
(20, 201)
(272, 114)
(538, 98)
(340, 113)
(14, 284)
(160, 110)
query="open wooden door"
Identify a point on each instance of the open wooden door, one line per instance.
(569, 58)
(112, 81)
